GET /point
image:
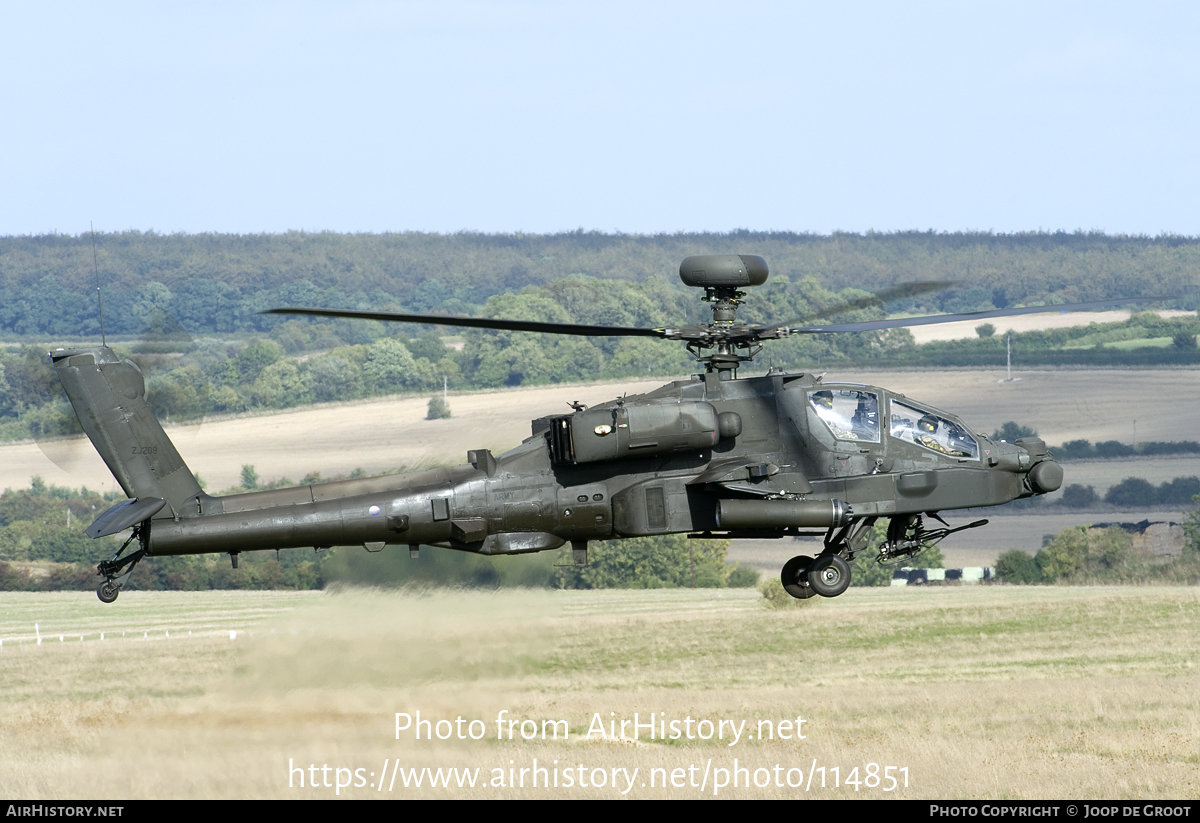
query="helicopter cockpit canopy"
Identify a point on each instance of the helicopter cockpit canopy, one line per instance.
(932, 431)
(850, 413)
(853, 413)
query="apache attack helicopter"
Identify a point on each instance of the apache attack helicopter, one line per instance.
(711, 456)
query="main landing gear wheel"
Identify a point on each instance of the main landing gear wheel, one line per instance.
(107, 592)
(795, 578)
(829, 575)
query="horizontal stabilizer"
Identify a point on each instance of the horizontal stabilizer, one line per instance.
(123, 515)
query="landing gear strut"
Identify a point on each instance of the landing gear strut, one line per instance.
(114, 578)
(829, 574)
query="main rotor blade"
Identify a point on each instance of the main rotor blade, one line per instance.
(478, 322)
(885, 296)
(874, 325)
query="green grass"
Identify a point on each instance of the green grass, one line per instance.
(1148, 342)
(981, 691)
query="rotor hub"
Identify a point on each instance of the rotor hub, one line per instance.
(722, 277)
(725, 302)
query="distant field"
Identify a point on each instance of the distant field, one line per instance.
(375, 435)
(1027, 322)
(1103, 474)
(381, 435)
(981, 692)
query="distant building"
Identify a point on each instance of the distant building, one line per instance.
(1152, 539)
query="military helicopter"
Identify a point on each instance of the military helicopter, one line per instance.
(784, 454)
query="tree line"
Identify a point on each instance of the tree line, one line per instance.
(301, 361)
(1079, 555)
(186, 307)
(215, 283)
(43, 548)
(305, 360)
(1134, 492)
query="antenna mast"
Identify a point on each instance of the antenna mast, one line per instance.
(96, 272)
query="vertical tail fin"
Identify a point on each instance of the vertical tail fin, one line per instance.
(109, 396)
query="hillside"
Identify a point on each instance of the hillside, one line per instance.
(384, 434)
(214, 283)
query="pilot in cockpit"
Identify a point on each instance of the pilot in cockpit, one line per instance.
(823, 403)
(865, 422)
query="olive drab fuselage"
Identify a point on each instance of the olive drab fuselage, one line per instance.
(761, 456)
(714, 455)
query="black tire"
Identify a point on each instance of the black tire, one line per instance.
(829, 575)
(107, 592)
(795, 577)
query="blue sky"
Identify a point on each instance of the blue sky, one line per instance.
(636, 117)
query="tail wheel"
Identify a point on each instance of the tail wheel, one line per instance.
(829, 575)
(107, 592)
(795, 577)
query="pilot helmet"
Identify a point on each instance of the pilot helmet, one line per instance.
(928, 423)
(823, 398)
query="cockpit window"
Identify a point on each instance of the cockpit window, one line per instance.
(927, 429)
(849, 413)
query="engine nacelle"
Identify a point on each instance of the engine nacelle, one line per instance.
(635, 430)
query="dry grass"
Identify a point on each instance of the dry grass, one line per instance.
(980, 691)
(1104, 474)
(375, 435)
(383, 434)
(1028, 322)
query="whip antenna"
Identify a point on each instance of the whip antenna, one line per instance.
(96, 271)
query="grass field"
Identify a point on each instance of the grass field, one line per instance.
(977, 692)
(1026, 323)
(381, 435)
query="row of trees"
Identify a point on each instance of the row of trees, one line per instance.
(215, 282)
(1134, 492)
(1081, 555)
(1145, 339)
(1083, 449)
(1108, 449)
(43, 547)
(306, 360)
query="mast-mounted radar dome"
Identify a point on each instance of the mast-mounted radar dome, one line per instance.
(721, 276)
(729, 270)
